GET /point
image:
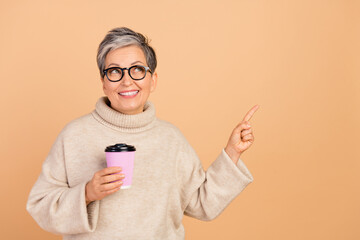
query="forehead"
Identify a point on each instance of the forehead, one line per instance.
(125, 55)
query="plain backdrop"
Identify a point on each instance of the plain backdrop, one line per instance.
(299, 60)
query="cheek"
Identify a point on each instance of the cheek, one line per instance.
(109, 87)
(146, 91)
(147, 86)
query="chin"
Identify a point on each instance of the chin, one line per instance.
(131, 109)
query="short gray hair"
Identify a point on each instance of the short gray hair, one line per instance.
(122, 37)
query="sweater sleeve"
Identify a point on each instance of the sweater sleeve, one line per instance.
(54, 205)
(205, 195)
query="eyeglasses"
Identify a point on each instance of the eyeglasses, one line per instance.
(136, 72)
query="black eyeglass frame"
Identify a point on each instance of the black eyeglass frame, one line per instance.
(128, 69)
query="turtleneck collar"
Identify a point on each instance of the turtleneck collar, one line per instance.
(124, 122)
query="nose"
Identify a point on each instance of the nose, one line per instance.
(126, 80)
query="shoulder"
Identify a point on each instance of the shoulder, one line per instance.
(71, 132)
(182, 147)
(79, 125)
(168, 126)
(170, 129)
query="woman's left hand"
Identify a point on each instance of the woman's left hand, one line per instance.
(242, 137)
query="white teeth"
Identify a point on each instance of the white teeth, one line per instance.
(129, 93)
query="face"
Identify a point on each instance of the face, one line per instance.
(128, 104)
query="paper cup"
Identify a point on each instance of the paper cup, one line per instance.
(122, 155)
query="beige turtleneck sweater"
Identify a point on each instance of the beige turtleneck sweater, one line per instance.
(168, 180)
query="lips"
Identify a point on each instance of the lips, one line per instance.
(129, 93)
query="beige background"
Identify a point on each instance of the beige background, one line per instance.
(299, 60)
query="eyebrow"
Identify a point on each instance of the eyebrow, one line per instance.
(130, 64)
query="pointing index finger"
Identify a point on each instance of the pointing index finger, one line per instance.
(251, 112)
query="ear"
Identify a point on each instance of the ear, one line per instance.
(154, 78)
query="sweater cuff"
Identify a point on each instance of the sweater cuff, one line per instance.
(240, 168)
(89, 213)
(227, 180)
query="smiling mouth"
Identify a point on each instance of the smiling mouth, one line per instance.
(132, 93)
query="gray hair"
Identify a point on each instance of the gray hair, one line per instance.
(122, 37)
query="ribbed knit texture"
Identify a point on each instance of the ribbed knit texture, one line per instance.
(122, 122)
(168, 180)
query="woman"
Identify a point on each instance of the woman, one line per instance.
(77, 196)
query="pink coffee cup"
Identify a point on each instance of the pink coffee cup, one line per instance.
(122, 155)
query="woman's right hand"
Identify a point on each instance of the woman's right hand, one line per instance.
(102, 184)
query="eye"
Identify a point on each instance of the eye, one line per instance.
(139, 69)
(114, 71)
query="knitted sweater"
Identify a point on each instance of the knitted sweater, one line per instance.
(168, 180)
